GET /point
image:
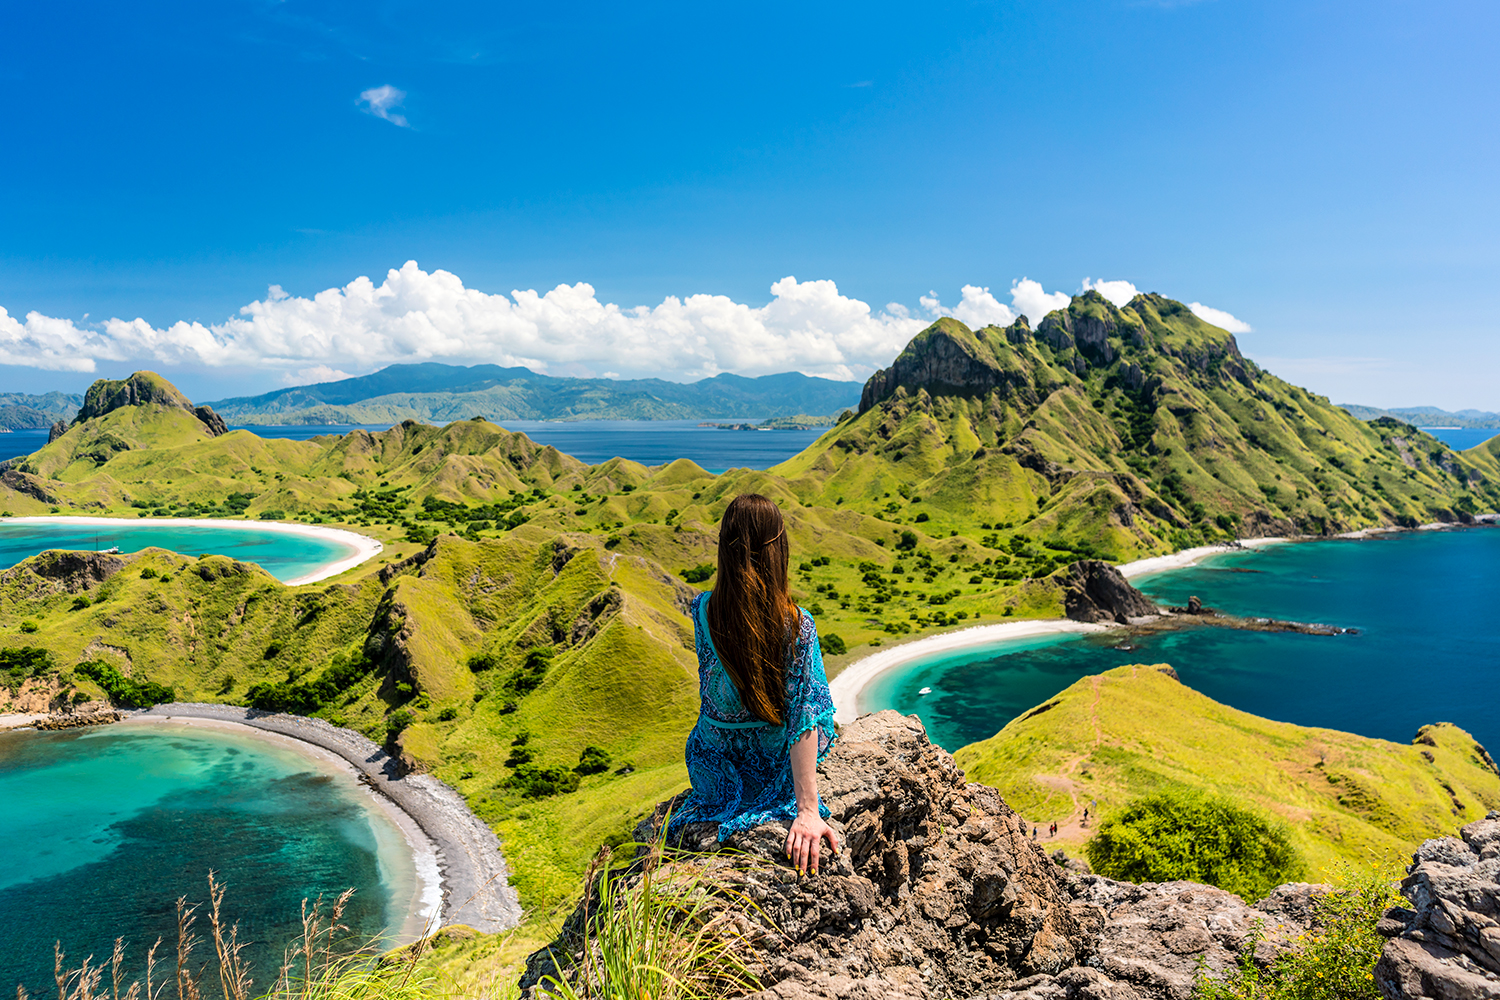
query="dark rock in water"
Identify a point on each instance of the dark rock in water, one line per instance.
(1095, 591)
(1194, 606)
(1447, 944)
(939, 893)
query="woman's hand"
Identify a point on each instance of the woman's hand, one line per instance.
(804, 841)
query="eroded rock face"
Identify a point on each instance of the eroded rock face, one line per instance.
(940, 892)
(1095, 591)
(1446, 946)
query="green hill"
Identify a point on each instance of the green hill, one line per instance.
(1427, 416)
(437, 393)
(524, 592)
(1136, 730)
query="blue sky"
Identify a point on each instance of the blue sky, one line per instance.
(1324, 172)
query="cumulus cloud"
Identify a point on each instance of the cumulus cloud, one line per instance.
(1117, 292)
(314, 375)
(1219, 318)
(44, 342)
(379, 101)
(1034, 302)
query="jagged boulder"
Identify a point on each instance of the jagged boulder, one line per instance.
(1446, 945)
(1095, 591)
(941, 892)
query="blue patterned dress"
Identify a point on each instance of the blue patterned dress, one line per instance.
(741, 767)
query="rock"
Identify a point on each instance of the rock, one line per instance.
(1095, 591)
(1447, 944)
(57, 430)
(939, 893)
(76, 571)
(143, 389)
(1194, 606)
(942, 359)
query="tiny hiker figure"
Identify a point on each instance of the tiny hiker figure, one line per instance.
(766, 717)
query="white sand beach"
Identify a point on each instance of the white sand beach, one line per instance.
(1191, 557)
(853, 679)
(362, 547)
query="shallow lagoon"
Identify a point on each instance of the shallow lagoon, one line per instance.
(1427, 606)
(105, 828)
(283, 554)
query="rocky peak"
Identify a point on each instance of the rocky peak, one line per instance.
(942, 891)
(142, 389)
(948, 358)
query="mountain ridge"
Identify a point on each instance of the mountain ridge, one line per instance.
(433, 392)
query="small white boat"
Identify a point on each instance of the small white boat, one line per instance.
(113, 550)
(925, 691)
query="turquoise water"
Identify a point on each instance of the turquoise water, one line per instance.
(104, 829)
(1427, 606)
(282, 554)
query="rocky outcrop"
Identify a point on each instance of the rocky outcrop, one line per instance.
(1446, 945)
(940, 361)
(57, 430)
(142, 389)
(76, 571)
(29, 485)
(1095, 591)
(940, 891)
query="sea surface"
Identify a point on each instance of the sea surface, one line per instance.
(650, 442)
(284, 555)
(1462, 438)
(1426, 604)
(105, 828)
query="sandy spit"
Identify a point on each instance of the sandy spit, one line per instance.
(1191, 557)
(363, 546)
(475, 879)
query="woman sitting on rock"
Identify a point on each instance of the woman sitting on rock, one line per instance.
(767, 718)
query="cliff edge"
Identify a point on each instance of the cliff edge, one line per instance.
(940, 891)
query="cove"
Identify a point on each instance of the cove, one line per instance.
(105, 828)
(291, 553)
(1426, 604)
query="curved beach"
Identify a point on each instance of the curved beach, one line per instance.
(849, 684)
(472, 878)
(362, 547)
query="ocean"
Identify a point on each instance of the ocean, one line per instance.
(1426, 605)
(120, 821)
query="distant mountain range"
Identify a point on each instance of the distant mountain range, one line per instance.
(437, 393)
(1426, 416)
(21, 411)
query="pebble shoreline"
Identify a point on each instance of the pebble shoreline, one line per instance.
(475, 878)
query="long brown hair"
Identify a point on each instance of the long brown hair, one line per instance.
(751, 614)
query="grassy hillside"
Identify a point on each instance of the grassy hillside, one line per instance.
(529, 606)
(1135, 730)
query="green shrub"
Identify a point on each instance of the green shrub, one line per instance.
(272, 515)
(28, 626)
(148, 573)
(593, 760)
(832, 644)
(80, 602)
(529, 676)
(127, 692)
(396, 722)
(1335, 961)
(1182, 834)
(699, 573)
(536, 783)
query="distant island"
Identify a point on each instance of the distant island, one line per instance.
(1427, 416)
(800, 422)
(437, 393)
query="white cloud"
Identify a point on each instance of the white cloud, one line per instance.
(379, 101)
(1219, 318)
(314, 375)
(1033, 302)
(414, 315)
(980, 308)
(1117, 292)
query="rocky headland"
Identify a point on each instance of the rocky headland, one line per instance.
(942, 891)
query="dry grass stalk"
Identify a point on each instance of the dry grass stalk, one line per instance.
(234, 976)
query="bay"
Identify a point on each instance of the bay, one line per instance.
(1462, 438)
(1426, 605)
(105, 828)
(285, 555)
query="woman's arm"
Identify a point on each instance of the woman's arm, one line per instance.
(804, 841)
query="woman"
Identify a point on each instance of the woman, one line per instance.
(767, 717)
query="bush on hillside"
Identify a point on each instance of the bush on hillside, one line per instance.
(537, 782)
(593, 760)
(17, 665)
(1182, 834)
(127, 692)
(529, 676)
(832, 644)
(306, 697)
(699, 573)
